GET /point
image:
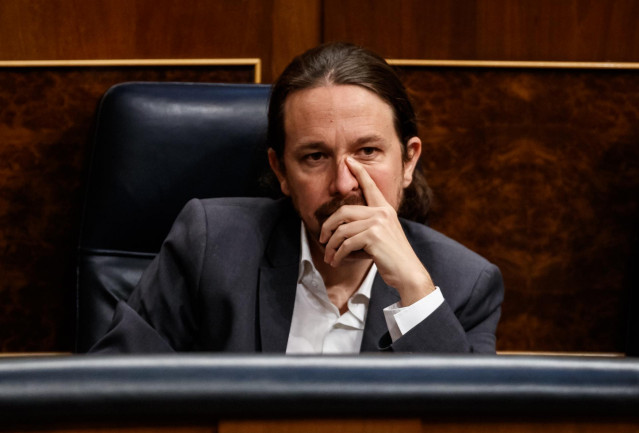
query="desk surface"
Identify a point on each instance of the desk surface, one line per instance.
(204, 388)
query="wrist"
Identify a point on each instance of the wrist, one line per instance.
(415, 288)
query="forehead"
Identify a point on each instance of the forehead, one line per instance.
(348, 109)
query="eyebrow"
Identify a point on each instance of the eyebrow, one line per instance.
(314, 145)
(373, 138)
(311, 145)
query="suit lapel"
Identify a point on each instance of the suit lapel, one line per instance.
(382, 295)
(278, 283)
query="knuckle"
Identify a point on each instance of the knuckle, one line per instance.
(388, 211)
(379, 219)
(376, 231)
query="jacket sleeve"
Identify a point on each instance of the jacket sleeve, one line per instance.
(161, 314)
(470, 329)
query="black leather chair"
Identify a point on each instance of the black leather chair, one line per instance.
(156, 146)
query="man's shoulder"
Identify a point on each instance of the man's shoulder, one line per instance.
(243, 204)
(457, 270)
(431, 245)
(239, 213)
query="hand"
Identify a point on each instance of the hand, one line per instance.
(376, 230)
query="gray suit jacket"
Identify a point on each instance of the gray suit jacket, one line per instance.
(225, 280)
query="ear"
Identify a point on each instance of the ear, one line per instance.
(413, 151)
(274, 162)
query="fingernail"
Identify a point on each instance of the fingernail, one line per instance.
(350, 159)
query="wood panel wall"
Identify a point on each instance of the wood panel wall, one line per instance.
(538, 170)
(275, 30)
(152, 29)
(34, 295)
(579, 30)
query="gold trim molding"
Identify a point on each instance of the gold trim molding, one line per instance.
(255, 62)
(511, 64)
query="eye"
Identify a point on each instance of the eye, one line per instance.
(313, 157)
(368, 151)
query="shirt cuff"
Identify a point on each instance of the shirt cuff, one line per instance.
(400, 320)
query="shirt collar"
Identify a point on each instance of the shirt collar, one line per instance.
(304, 247)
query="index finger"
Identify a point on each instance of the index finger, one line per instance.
(372, 194)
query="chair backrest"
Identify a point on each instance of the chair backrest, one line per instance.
(156, 146)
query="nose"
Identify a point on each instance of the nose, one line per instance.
(344, 182)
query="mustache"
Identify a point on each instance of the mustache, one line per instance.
(329, 208)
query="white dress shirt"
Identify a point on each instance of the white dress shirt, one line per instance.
(317, 326)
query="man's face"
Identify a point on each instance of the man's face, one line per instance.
(323, 126)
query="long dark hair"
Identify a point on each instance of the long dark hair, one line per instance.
(342, 63)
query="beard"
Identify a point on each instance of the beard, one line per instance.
(331, 206)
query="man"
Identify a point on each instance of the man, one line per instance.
(331, 268)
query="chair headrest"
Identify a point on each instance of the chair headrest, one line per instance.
(157, 145)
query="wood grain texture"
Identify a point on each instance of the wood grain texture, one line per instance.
(46, 117)
(272, 30)
(122, 429)
(321, 426)
(103, 29)
(374, 426)
(533, 425)
(578, 30)
(296, 28)
(538, 170)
